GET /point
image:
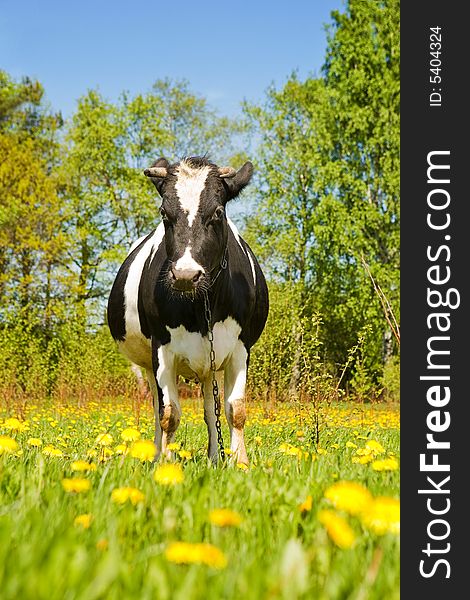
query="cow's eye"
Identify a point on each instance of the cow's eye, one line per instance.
(218, 213)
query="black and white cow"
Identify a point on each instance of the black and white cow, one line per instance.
(156, 308)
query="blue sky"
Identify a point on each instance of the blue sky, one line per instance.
(227, 51)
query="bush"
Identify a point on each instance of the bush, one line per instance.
(391, 379)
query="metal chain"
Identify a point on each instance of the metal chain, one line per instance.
(215, 386)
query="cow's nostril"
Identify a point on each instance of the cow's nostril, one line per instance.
(185, 279)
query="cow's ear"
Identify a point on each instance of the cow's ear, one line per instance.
(235, 182)
(158, 172)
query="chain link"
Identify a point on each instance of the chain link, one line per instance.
(215, 386)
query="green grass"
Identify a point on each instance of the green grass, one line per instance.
(277, 551)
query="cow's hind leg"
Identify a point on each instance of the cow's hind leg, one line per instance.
(209, 415)
(235, 383)
(169, 407)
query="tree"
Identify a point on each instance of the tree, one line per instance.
(31, 240)
(363, 78)
(292, 129)
(329, 183)
(18, 103)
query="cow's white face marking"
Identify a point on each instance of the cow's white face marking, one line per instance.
(189, 185)
(187, 262)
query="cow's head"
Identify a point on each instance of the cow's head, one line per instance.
(194, 193)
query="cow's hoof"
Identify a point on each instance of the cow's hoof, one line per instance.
(241, 458)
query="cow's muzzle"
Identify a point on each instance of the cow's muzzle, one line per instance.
(185, 280)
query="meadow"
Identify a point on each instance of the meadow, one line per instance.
(85, 513)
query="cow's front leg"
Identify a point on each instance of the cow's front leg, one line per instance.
(157, 396)
(209, 415)
(169, 408)
(235, 383)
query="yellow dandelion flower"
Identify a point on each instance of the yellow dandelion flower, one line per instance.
(383, 516)
(185, 454)
(337, 528)
(82, 465)
(363, 460)
(186, 553)
(259, 440)
(228, 451)
(34, 442)
(76, 485)
(92, 453)
(387, 464)
(130, 434)
(293, 451)
(122, 495)
(349, 496)
(169, 474)
(306, 505)
(351, 445)
(242, 467)
(290, 450)
(121, 449)
(375, 447)
(104, 439)
(51, 451)
(300, 433)
(8, 444)
(174, 446)
(143, 450)
(83, 521)
(14, 424)
(224, 517)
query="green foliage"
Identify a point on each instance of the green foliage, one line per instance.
(70, 362)
(362, 381)
(391, 379)
(328, 187)
(324, 217)
(289, 161)
(271, 359)
(19, 103)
